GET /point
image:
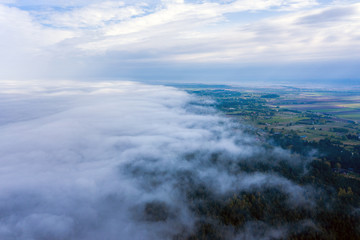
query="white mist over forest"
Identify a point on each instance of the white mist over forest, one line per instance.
(121, 160)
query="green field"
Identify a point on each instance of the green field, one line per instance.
(311, 114)
(340, 104)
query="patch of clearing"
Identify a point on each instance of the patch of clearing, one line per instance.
(350, 105)
(331, 110)
(351, 116)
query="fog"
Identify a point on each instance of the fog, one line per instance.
(122, 160)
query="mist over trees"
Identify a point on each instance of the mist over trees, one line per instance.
(132, 161)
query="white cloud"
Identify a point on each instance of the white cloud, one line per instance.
(24, 43)
(19, 28)
(178, 32)
(192, 32)
(94, 15)
(186, 40)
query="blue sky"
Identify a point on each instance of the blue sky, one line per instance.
(183, 41)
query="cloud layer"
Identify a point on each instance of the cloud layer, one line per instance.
(120, 160)
(97, 37)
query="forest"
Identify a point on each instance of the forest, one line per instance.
(328, 167)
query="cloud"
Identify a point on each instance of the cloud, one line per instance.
(83, 160)
(25, 43)
(330, 16)
(71, 39)
(95, 15)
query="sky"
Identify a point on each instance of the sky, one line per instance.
(181, 40)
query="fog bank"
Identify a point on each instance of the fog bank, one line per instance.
(123, 160)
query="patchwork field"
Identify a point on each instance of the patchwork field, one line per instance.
(312, 115)
(345, 105)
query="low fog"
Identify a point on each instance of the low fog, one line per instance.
(123, 160)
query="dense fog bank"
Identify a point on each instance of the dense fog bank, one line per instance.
(123, 160)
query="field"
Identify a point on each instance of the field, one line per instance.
(345, 105)
(311, 114)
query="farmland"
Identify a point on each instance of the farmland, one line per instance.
(340, 104)
(311, 114)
